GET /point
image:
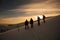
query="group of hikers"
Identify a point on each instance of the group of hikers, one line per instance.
(31, 22)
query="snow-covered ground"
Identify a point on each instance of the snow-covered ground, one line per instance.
(46, 31)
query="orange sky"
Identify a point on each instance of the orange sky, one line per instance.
(16, 20)
(48, 8)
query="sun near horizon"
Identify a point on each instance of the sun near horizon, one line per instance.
(13, 12)
(16, 20)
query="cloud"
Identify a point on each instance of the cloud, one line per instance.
(11, 14)
(11, 8)
(54, 3)
(14, 11)
(13, 4)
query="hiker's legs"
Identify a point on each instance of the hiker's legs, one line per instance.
(25, 26)
(38, 23)
(44, 20)
(31, 25)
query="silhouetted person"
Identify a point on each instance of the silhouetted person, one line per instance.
(31, 22)
(38, 19)
(44, 18)
(26, 24)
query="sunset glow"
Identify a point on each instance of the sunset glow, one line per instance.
(22, 12)
(16, 20)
